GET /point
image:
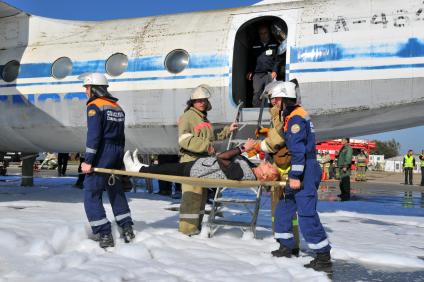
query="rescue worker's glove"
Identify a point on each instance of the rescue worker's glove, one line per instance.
(132, 163)
(253, 152)
(261, 132)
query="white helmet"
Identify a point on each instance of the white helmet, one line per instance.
(201, 92)
(94, 78)
(284, 90)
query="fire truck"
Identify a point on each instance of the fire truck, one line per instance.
(333, 147)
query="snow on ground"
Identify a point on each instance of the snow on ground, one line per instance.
(44, 236)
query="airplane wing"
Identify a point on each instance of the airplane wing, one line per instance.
(8, 11)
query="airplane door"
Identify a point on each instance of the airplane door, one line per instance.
(242, 28)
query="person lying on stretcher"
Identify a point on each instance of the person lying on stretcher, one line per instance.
(227, 165)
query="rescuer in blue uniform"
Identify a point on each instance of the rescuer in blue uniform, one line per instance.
(304, 177)
(104, 149)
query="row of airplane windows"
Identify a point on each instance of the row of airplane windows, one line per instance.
(175, 62)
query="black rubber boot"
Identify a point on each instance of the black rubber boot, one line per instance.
(321, 263)
(128, 233)
(106, 241)
(283, 251)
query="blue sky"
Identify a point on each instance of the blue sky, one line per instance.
(110, 9)
(410, 138)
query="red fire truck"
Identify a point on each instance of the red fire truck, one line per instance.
(333, 146)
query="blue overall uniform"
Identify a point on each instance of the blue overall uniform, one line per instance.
(299, 135)
(105, 149)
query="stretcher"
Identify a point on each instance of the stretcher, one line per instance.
(195, 181)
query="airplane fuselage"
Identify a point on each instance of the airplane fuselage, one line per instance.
(360, 66)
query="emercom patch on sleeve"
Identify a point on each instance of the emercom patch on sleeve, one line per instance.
(295, 128)
(91, 113)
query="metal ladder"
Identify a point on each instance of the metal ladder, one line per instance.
(219, 202)
(252, 206)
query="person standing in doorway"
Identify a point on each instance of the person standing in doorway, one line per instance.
(264, 63)
(408, 167)
(344, 163)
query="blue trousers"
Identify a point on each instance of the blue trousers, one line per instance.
(304, 201)
(96, 183)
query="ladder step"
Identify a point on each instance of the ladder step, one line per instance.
(230, 223)
(235, 201)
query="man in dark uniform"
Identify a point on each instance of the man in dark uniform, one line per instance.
(62, 163)
(104, 149)
(264, 63)
(344, 163)
(304, 177)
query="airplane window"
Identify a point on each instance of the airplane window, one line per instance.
(61, 68)
(10, 71)
(176, 61)
(116, 64)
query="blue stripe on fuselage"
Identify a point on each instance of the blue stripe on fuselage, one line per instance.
(31, 99)
(412, 48)
(356, 68)
(148, 63)
(119, 80)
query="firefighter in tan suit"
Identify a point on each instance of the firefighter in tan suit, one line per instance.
(196, 136)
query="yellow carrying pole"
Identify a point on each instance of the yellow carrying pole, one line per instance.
(201, 182)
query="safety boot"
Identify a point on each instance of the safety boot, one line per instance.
(106, 241)
(322, 262)
(283, 251)
(128, 233)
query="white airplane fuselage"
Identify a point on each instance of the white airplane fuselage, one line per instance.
(360, 65)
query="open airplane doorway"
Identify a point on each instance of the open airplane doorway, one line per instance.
(247, 37)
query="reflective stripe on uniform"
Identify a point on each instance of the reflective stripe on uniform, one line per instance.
(189, 216)
(184, 136)
(298, 168)
(91, 151)
(99, 222)
(319, 245)
(283, 235)
(122, 216)
(264, 147)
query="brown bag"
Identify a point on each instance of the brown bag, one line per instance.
(282, 158)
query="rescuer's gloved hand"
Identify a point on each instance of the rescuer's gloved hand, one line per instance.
(261, 131)
(132, 163)
(253, 152)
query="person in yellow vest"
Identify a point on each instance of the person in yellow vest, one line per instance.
(196, 136)
(408, 167)
(422, 167)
